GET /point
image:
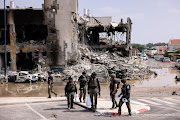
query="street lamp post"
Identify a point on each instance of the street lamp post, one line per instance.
(5, 65)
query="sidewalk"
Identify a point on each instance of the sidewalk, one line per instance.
(21, 100)
(104, 105)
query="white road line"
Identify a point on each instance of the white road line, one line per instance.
(178, 98)
(169, 108)
(150, 102)
(162, 101)
(172, 100)
(36, 112)
(136, 102)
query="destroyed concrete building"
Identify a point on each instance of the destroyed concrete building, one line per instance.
(51, 36)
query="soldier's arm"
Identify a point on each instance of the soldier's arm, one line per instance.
(115, 87)
(88, 86)
(75, 89)
(50, 82)
(99, 86)
(79, 79)
(66, 89)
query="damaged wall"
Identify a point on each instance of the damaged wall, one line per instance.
(62, 25)
(54, 30)
(26, 33)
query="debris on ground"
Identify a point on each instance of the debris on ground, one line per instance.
(106, 63)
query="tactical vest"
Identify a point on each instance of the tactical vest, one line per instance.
(71, 87)
(125, 89)
(83, 80)
(93, 83)
(50, 78)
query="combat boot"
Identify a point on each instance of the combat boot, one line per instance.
(119, 113)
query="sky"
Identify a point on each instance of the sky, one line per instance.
(153, 20)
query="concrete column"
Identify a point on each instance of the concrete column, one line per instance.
(12, 40)
(64, 16)
(65, 24)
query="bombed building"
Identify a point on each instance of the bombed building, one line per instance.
(39, 38)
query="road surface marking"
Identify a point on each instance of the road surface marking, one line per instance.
(136, 102)
(162, 101)
(150, 102)
(36, 112)
(172, 100)
(176, 109)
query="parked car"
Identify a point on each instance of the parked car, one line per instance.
(166, 59)
(158, 58)
(161, 59)
(144, 57)
(177, 64)
(42, 76)
(24, 76)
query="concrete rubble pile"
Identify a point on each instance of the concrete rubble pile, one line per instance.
(106, 63)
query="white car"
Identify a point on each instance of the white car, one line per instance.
(24, 76)
(166, 59)
(144, 57)
(177, 64)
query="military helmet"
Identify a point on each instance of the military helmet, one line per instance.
(49, 72)
(123, 81)
(70, 78)
(113, 75)
(94, 73)
(83, 72)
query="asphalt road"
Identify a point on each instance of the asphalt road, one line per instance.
(161, 109)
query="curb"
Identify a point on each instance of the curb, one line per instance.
(146, 109)
(143, 110)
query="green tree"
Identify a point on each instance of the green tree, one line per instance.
(138, 46)
(150, 45)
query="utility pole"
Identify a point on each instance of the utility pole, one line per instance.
(5, 65)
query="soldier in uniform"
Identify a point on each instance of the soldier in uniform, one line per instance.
(125, 92)
(93, 89)
(70, 89)
(50, 85)
(113, 90)
(83, 82)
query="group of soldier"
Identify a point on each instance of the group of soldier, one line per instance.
(92, 85)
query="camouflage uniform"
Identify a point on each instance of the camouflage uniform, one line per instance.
(70, 89)
(93, 89)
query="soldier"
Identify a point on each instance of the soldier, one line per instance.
(125, 92)
(113, 90)
(93, 89)
(82, 81)
(70, 89)
(50, 85)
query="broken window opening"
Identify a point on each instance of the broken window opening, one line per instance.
(44, 53)
(2, 35)
(120, 37)
(2, 60)
(38, 33)
(25, 61)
